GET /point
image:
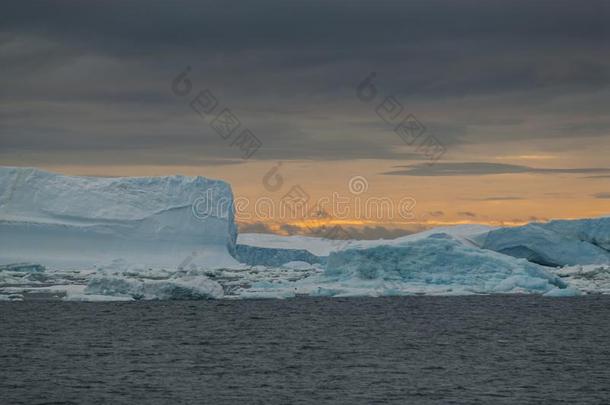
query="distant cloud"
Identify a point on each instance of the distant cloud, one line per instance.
(496, 198)
(602, 196)
(219, 162)
(291, 229)
(380, 232)
(255, 227)
(482, 169)
(467, 214)
(436, 214)
(349, 232)
(559, 194)
(94, 77)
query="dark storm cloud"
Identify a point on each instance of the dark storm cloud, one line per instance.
(96, 75)
(206, 25)
(484, 168)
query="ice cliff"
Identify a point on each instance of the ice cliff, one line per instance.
(553, 244)
(60, 221)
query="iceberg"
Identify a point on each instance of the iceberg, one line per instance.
(69, 221)
(441, 260)
(595, 231)
(431, 263)
(553, 244)
(174, 237)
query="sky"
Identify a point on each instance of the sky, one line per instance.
(448, 111)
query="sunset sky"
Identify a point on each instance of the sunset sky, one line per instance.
(515, 94)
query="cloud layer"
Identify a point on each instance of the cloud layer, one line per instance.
(484, 168)
(95, 76)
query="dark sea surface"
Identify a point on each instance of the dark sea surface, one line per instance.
(482, 349)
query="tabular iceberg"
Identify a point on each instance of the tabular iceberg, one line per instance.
(68, 221)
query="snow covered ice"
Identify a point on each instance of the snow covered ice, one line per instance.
(552, 244)
(75, 222)
(92, 238)
(441, 260)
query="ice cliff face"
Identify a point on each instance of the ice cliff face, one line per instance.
(554, 244)
(66, 220)
(595, 231)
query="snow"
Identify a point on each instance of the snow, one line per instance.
(590, 279)
(297, 265)
(74, 222)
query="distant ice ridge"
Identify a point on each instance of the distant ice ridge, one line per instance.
(316, 246)
(441, 262)
(595, 231)
(68, 221)
(255, 256)
(554, 244)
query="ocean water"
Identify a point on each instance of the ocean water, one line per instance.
(477, 349)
